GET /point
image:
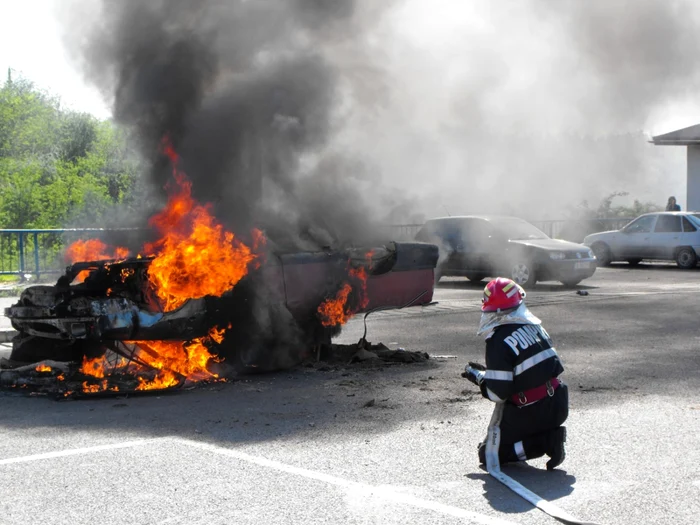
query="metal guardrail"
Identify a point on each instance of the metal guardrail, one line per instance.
(40, 251)
(576, 229)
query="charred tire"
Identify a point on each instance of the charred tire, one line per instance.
(570, 283)
(32, 349)
(602, 253)
(633, 262)
(476, 277)
(686, 258)
(523, 273)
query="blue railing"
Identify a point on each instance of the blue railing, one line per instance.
(38, 252)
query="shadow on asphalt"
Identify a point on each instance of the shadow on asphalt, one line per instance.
(619, 348)
(651, 267)
(550, 485)
(268, 407)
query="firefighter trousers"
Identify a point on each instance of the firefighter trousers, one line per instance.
(528, 432)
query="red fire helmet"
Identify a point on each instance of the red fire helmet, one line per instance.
(502, 294)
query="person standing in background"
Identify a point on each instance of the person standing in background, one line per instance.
(672, 205)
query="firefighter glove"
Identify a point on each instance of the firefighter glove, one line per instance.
(474, 375)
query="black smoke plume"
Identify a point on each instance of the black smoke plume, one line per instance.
(246, 93)
(249, 96)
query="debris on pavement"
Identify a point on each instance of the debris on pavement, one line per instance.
(366, 354)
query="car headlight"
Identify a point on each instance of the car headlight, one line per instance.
(557, 256)
(590, 254)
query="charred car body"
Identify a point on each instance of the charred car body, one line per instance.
(272, 306)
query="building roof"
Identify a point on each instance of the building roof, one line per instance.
(682, 137)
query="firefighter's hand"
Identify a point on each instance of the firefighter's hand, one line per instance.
(474, 375)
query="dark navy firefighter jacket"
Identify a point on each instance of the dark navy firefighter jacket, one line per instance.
(518, 357)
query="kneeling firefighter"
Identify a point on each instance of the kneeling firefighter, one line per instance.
(521, 377)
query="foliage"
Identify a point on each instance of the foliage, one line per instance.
(58, 168)
(585, 220)
(607, 211)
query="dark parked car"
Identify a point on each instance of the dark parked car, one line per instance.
(477, 247)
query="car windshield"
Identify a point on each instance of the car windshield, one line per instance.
(518, 229)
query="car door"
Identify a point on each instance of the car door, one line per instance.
(666, 236)
(479, 245)
(691, 235)
(634, 243)
(454, 249)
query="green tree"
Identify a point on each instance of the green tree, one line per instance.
(58, 167)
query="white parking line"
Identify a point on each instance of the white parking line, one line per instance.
(79, 451)
(369, 490)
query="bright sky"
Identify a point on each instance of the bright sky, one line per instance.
(31, 45)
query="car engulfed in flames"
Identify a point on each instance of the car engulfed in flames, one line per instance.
(108, 317)
(197, 302)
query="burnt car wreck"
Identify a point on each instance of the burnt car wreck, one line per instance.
(109, 311)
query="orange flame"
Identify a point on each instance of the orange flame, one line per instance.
(332, 311)
(336, 311)
(94, 387)
(360, 274)
(43, 368)
(217, 335)
(92, 250)
(175, 358)
(163, 380)
(195, 256)
(94, 367)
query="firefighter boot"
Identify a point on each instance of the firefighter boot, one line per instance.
(556, 449)
(482, 453)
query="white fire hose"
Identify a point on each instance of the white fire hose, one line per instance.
(493, 466)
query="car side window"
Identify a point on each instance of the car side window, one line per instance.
(465, 235)
(479, 233)
(688, 226)
(668, 224)
(640, 225)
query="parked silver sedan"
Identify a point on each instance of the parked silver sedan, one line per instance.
(670, 236)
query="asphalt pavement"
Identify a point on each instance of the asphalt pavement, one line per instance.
(304, 446)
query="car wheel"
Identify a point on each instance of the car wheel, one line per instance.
(570, 283)
(32, 349)
(633, 262)
(602, 253)
(523, 273)
(686, 258)
(476, 277)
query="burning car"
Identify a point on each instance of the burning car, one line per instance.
(199, 299)
(116, 302)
